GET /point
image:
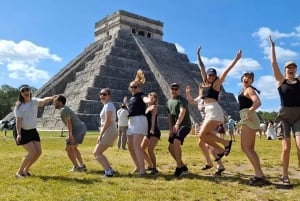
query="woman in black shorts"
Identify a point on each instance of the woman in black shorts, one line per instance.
(25, 133)
(151, 139)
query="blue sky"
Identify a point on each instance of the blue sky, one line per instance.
(38, 38)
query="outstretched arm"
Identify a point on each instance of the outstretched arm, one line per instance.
(46, 100)
(228, 68)
(201, 65)
(278, 76)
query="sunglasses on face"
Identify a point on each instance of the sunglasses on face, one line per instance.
(211, 75)
(174, 89)
(103, 94)
(23, 90)
(133, 87)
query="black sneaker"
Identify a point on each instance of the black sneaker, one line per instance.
(178, 172)
(258, 181)
(154, 171)
(185, 169)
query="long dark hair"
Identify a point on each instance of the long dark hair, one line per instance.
(21, 99)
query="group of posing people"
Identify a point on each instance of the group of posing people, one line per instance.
(143, 133)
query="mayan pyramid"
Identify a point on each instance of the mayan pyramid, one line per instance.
(124, 43)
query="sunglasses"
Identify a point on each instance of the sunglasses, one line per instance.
(133, 87)
(103, 94)
(23, 90)
(174, 89)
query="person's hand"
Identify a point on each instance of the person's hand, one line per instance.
(152, 132)
(248, 115)
(98, 139)
(188, 89)
(271, 41)
(198, 50)
(175, 128)
(71, 139)
(19, 137)
(125, 100)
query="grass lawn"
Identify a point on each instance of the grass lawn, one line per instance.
(51, 180)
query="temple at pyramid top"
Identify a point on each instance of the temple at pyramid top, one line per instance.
(123, 20)
(124, 42)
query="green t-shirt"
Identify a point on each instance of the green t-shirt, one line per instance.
(174, 105)
(65, 112)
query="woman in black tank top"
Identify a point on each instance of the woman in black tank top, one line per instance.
(249, 102)
(289, 114)
(150, 141)
(214, 113)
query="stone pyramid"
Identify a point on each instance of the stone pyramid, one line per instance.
(125, 42)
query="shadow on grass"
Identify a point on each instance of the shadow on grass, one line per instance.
(68, 179)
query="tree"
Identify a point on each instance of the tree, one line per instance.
(8, 97)
(267, 116)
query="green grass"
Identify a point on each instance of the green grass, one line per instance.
(52, 181)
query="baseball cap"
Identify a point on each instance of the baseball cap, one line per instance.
(174, 84)
(289, 63)
(24, 86)
(211, 71)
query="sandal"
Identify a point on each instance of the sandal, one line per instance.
(228, 148)
(285, 180)
(219, 156)
(257, 181)
(219, 171)
(206, 167)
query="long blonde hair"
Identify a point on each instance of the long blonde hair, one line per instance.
(140, 78)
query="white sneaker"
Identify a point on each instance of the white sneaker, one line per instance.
(108, 173)
(74, 169)
(82, 168)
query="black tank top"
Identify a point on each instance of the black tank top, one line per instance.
(149, 119)
(289, 94)
(210, 92)
(244, 101)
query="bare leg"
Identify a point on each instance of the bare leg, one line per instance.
(78, 155)
(205, 152)
(98, 153)
(178, 152)
(248, 147)
(34, 151)
(153, 142)
(285, 154)
(70, 149)
(297, 138)
(137, 141)
(131, 151)
(145, 144)
(206, 135)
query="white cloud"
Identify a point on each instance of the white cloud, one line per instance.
(23, 58)
(283, 53)
(179, 48)
(244, 64)
(267, 86)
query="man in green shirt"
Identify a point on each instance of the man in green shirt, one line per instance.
(179, 125)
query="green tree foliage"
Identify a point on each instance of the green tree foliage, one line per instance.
(267, 116)
(8, 97)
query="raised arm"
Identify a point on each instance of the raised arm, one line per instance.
(201, 65)
(190, 99)
(228, 68)
(276, 71)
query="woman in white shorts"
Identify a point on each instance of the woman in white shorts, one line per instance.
(108, 131)
(211, 88)
(137, 123)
